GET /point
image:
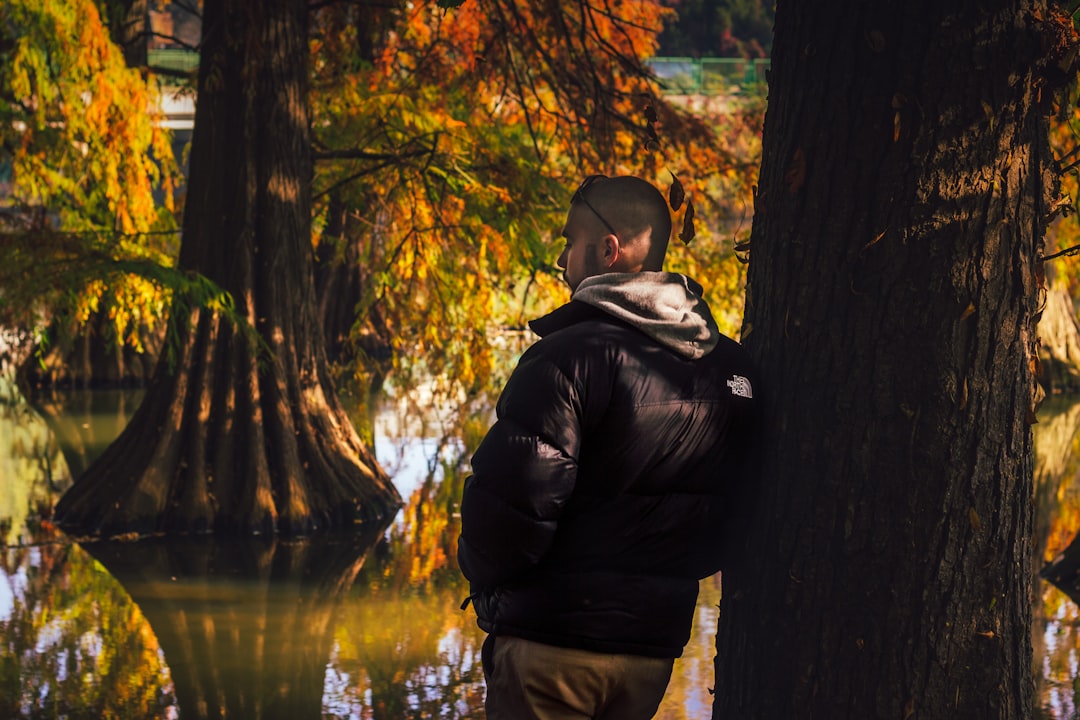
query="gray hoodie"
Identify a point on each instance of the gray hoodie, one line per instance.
(665, 306)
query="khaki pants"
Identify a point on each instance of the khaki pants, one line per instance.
(531, 681)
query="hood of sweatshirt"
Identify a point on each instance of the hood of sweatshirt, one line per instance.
(667, 307)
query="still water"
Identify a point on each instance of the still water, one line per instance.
(364, 627)
(368, 627)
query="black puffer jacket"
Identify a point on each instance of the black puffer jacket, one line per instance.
(600, 496)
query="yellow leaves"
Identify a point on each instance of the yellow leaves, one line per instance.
(82, 96)
(88, 151)
(464, 237)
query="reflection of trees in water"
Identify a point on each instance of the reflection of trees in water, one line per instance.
(33, 472)
(403, 641)
(1057, 493)
(45, 443)
(245, 625)
(1057, 519)
(248, 631)
(255, 628)
(410, 654)
(84, 423)
(689, 694)
(73, 643)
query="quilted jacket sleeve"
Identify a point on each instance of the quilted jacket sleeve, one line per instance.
(523, 473)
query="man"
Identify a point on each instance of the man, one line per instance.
(602, 493)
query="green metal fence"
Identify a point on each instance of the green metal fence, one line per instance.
(677, 75)
(708, 76)
(178, 59)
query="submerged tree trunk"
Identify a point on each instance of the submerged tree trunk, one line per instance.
(237, 435)
(893, 289)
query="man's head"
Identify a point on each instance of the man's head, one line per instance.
(617, 224)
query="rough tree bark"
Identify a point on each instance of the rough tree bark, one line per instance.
(892, 294)
(232, 436)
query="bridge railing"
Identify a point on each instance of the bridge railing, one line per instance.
(708, 76)
(178, 59)
(677, 75)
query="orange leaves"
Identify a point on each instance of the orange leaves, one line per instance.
(92, 119)
(86, 149)
(525, 97)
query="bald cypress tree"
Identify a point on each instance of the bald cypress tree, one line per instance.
(241, 430)
(894, 287)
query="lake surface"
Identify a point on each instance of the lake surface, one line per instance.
(359, 627)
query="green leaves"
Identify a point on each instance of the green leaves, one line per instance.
(87, 155)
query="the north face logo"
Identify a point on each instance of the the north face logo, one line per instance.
(740, 386)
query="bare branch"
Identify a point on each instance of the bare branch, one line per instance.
(358, 154)
(1067, 252)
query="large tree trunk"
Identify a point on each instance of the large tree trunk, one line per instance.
(893, 289)
(237, 435)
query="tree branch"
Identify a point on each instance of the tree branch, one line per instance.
(1074, 250)
(170, 38)
(358, 154)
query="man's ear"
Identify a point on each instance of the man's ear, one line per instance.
(612, 251)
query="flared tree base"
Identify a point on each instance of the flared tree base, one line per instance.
(225, 444)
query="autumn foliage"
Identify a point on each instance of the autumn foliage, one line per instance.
(448, 140)
(90, 171)
(455, 138)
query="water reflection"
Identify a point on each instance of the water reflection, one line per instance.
(367, 629)
(74, 643)
(1055, 635)
(32, 467)
(246, 626)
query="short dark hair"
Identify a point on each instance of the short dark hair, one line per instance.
(631, 204)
